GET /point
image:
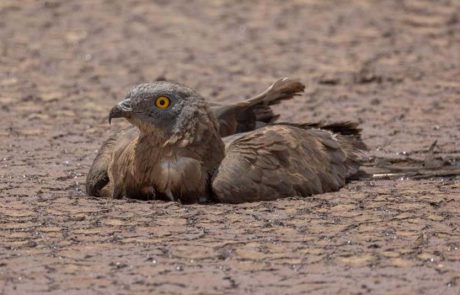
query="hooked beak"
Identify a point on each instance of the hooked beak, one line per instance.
(121, 110)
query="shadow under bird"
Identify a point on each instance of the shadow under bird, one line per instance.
(182, 148)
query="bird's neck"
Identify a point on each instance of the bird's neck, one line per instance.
(181, 164)
(195, 137)
(150, 138)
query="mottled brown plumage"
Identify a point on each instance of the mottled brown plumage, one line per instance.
(178, 152)
(240, 116)
(285, 160)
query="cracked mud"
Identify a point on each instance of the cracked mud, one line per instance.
(394, 66)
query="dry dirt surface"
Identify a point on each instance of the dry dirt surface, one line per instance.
(393, 65)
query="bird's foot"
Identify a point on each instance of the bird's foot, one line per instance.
(170, 195)
(146, 193)
(203, 199)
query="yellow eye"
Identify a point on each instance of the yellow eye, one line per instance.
(162, 102)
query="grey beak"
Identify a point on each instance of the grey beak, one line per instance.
(121, 110)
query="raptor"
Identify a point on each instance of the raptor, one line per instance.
(182, 148)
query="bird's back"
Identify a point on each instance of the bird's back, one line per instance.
(285, 160)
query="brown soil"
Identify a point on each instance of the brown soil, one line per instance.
(392, 65)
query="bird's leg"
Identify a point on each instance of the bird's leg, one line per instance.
(149, 192)
(141, 193)
(203, 199)
(170, 195)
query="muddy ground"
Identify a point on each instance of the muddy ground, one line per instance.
(394, 66)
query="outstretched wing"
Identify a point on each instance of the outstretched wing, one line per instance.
(247, 115)
(284, 160)
(98, 176)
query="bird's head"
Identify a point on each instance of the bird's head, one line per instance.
(165, 110)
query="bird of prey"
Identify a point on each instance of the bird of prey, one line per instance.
(177, 150)
(240, 116)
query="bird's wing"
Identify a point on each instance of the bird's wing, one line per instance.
(284, 160)
(98, 176)
(249, 114)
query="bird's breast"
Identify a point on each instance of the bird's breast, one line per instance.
(179, 175)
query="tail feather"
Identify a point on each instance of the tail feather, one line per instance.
(344, 128)
(347, 130)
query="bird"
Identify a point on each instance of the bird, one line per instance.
(184, 149)
(234, 117)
